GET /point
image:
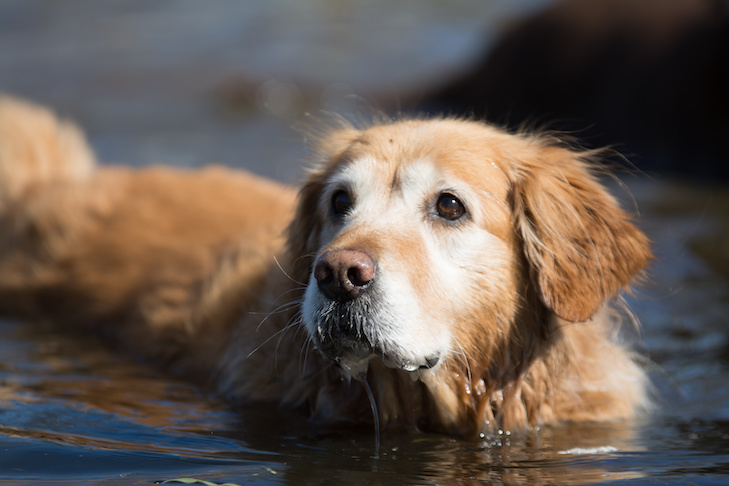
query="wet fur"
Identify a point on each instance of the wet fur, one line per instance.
(207, 271)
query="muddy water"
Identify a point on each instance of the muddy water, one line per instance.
(189, 82)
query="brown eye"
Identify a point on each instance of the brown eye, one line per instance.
(341, 203)
(450, 207)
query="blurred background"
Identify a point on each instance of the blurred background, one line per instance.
(187, 82)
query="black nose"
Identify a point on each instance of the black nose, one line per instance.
(344, 274)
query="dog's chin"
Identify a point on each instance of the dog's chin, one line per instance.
(354, 366)
(354, 358)
(352, 336)
(351, 355)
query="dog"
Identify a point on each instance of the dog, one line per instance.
(465, 275)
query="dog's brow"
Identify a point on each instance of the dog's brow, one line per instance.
(503, 205)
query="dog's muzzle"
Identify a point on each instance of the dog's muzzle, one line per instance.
(344, 276)
(346, 333)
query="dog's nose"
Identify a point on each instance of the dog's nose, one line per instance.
(344, 274)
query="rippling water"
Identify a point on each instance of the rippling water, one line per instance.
(188, 82)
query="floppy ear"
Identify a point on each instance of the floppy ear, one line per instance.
(582, 247)
(304, 230)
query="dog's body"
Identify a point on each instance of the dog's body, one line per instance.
(461, 270)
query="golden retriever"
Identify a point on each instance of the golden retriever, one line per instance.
(463, 272)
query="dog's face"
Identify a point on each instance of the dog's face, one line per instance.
(427, 236)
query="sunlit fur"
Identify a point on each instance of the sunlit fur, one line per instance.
(210, 271)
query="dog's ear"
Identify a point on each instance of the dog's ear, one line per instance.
(303, 233)
(581, 246)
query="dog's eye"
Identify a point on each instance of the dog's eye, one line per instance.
(450, 207)
(341, 203)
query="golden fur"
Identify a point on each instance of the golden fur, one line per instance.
(208, 271)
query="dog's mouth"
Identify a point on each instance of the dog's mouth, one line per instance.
(351, 340)
(355, 364)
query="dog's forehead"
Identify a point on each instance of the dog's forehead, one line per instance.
(425, 152)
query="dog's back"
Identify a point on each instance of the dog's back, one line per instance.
(145, 254)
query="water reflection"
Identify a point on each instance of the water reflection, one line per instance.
(77, 397)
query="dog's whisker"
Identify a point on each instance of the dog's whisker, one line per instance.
(287, 274)
(305, 348)
(319, 372)
(311, 255)
(302, 356)
(466, 361)
(292, 290)
(280, 309)
(268, 339)
(292, 322)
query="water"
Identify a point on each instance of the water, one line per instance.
(188, 82)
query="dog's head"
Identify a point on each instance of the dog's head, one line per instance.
(422, 240)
